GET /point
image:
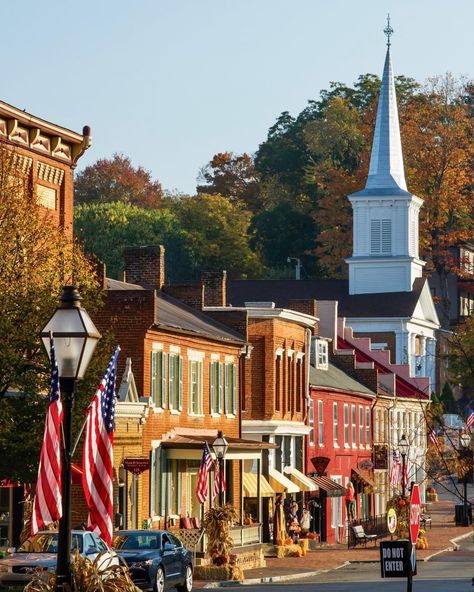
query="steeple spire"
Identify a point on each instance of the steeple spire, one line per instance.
(386, 160)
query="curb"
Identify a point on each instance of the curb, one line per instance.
(455, 546)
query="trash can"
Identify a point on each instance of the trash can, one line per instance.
(459, 514)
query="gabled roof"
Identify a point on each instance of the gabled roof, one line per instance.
(175, 315)
(386, 305)
(336, 379)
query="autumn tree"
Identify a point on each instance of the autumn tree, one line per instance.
(461, 356)
(36, 260)
(116, 179)
(231, 175)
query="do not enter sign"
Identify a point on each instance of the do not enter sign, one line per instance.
(415, 513)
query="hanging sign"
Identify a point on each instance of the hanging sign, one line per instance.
(320, 464)
(136, 465)
(391, 521)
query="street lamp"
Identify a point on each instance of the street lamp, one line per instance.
(403, 445)
(220, 446)
(466, 455)
(75, 337)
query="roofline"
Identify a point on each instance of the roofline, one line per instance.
(170, 329)
(256, 313)
(47, 126)
(344, 391)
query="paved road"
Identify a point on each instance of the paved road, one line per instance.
(449, 572)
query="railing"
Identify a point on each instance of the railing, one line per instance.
(245, 535)
(195, 539)
(373, 525)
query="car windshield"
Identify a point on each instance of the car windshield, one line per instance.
(47, 543)
(136, 542)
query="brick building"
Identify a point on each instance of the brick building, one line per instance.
(47, 154)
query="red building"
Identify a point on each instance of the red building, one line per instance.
(339, 446)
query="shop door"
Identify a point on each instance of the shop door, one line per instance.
(336, 512)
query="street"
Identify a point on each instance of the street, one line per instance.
(448, 572)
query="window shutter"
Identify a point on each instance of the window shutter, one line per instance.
(180, 383)
(163, 380)
(220, 387)
(153, 378)
(213, 386)
(199, 388)
(375, 236)
(171, 381)
(386, 245)
(234, 386)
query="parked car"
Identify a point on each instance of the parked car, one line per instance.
(156, 559)
(39, 552)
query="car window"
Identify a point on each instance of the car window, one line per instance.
(99, 543)
(47, 543)
(136, 541)
(175, 540)
(89, 544)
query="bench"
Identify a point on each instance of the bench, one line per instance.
(361, 538)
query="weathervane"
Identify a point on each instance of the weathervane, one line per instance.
(388, 30)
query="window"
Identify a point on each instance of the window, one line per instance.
(277, 383)
(335, 424)
(346, 424)
(380, 237)
(299, 383)
(158, 385)
(354, 425)
(320, 424)
(361, 426)
(311, 421)
(175, 382)
(321, 354)
(230, 389)
(215, 382)
(195, 387)
(367, 426)
(155, 480)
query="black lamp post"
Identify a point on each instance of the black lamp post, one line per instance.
(220, 446)
(466, 456)
(403, 445)
(75, 337)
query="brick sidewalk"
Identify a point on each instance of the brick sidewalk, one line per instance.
(329, 557)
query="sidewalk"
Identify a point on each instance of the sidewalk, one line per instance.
(440, 538)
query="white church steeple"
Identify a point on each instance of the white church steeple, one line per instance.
(385, 226)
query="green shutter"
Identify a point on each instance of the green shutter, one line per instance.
(171, 385)
(180, 383)
(234, 387)
(219, 365)
(163, 380)
(212, 386)
(153, 378)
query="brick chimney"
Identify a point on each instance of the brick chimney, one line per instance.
(215, 288)
(145, 266)
(101, 273)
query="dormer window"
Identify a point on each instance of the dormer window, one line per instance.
(322, 357)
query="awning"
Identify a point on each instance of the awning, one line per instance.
(280, 483)
(300, 479)
(332, 488)
(251, 486)
(364, 476)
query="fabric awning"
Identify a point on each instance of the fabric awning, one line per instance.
(300, 479)
(280, 483)
(364, 476)
(251, 486)
(332, 488)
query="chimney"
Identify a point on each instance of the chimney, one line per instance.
(101, 273)
(215, 288)
(145, 266)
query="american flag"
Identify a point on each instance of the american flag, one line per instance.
(470, 419)
(98, 454)
(434, 438)
(217, 481)
(396, 469)
(202, 488)
(47, 506)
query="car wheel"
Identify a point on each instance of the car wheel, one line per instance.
(187, 586)
(159, 580)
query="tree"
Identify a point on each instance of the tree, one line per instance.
(232, 175)
(218, 234)
(461, 356)
(116, 179)
(36, 260)
(106, 229)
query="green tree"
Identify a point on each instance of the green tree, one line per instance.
(116, 179)
(218, 235)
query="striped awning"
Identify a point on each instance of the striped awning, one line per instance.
(280, 483)
(304, 483)
(251, 486)
(332, 488)
(364, 476)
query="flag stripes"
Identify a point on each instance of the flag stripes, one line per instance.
(47, 506)
(202, 487)
(97, 458)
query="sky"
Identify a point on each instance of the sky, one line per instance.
(170, 83)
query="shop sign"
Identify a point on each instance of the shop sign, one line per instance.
(320, 464)
(391, 521)
(365, 464)
(380, 457)
(136, 465)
